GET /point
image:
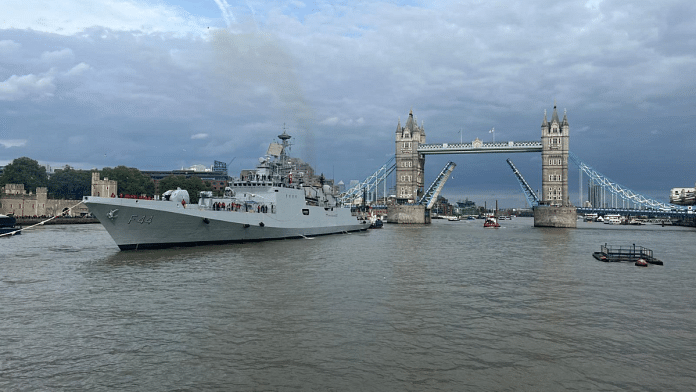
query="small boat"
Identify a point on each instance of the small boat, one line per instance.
(630, 253)
(590, 217)
(376, 224)
(375, 220)
(612, 219)
(453, 218)
(491, 221)
(7, 226)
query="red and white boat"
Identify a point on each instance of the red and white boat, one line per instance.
(491, 221)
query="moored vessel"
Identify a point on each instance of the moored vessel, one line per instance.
(262, 204)
(612, 219)
(639, 255)
(7, 226)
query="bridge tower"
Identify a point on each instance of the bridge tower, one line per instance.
(410, 166)
(554, 160)
(409, 163)
(554, 209)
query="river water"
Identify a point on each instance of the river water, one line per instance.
(445, 307)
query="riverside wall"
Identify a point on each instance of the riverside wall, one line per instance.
(61, 220)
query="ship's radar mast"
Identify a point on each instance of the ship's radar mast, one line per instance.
(284, 136)
(285, 141)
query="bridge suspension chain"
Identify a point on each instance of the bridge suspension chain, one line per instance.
(370, 183)
(620, 191)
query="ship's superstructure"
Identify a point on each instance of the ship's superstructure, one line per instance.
(268, 202)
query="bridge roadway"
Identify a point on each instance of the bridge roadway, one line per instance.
(479, 147)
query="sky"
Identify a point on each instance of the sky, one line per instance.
(161, 85)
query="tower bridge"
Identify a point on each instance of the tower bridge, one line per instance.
(552, 207)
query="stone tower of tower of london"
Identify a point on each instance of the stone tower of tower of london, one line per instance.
(409, 164)
(554, 158)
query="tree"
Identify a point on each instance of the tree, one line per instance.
(131, 181)
(69, 183)
(24, 171)
(193, 185)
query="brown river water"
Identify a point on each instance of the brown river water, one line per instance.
(446, 307)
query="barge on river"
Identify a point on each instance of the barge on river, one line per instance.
(630, 253)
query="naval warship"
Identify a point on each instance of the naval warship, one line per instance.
(264, 203)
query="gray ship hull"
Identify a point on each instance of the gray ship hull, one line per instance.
(142, 224)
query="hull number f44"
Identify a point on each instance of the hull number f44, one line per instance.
(141, 219)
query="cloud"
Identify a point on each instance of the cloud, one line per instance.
(8, 45)
(73, 17)
(57, 56)
(78, 69)
(226, 12)
(199, 136)
(332, 121)
(329, 121)
(20, 87)
(8, 143)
